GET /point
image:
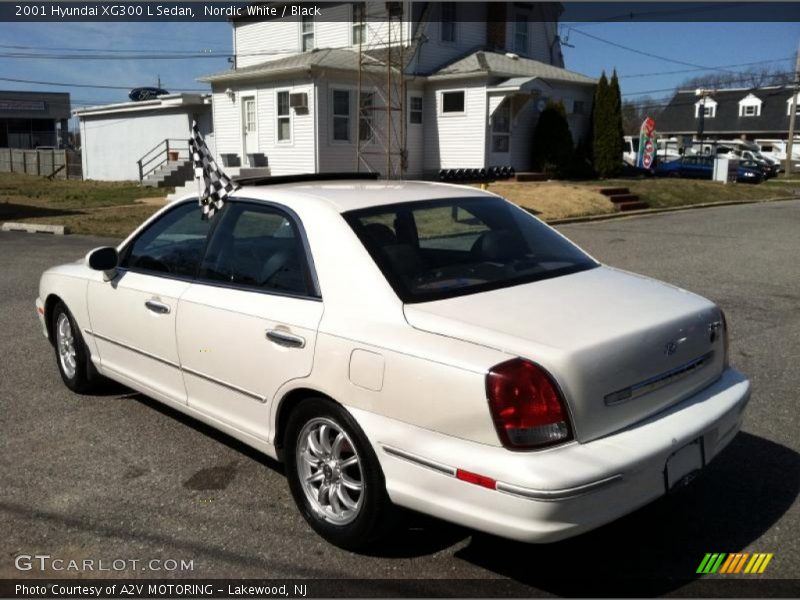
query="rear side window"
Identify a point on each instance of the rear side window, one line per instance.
(437, 249)
(257, 247)
(172, 245)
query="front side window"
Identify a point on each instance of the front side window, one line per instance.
(359, 22)
(284, 124)
(521, 33)
(172, 245)
(341, 115)
(448, 21)
(307, 33)
(256, 247)
(453, 102)
(415, 110)
(431, 250)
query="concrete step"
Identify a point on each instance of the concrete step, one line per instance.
(170, 174)
(617, 198)
(613, 191)
(637, 205)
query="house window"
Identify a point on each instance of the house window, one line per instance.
(579, 107)
(341, 115)
(250, 115)
(453, 102)
(365, 113)
(749, 110)
(501, 128)
(284, 117)
(521, 33)
(307, 33)
(359, 22)
(415, 110)
(448, 21)
(796, 107)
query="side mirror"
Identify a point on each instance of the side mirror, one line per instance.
(103, 259)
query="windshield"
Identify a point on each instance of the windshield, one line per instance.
(438, 249)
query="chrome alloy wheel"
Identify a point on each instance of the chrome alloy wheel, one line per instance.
(66, 345)
(330, 471)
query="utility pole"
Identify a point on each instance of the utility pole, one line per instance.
(793, 113)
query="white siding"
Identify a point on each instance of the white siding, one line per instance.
(105, 158)
(285, 158)
(470, 35)
(341, 156)
(455, 141)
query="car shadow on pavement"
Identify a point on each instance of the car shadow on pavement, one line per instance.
(741, 494)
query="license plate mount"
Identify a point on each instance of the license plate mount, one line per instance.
(684, 465)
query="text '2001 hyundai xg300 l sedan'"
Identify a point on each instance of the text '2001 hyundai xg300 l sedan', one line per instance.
(406, 343)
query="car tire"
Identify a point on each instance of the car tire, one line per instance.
(335, 477)
(72, 356)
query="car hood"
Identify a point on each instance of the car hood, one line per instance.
(598, 332)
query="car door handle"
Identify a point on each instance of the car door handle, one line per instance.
(157, 307)
(284, 338)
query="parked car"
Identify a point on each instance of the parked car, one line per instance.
(406, 343)
(694, 167)
(767, 167)
(749, 171)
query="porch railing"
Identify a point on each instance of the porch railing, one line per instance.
(165, 151)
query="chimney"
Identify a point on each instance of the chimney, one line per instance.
(496, 25)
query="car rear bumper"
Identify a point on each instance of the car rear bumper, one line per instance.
(552, 494)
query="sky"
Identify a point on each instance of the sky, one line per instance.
(703, 44)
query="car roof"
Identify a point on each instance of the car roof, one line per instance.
(346, 195)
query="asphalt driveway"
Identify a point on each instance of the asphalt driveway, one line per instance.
(118, 476)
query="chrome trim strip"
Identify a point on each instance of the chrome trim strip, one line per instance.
(657, 382)
(244, 392)
(508, 488)
(562, 494)
(419, 460)
(230, 386)
(132, 349)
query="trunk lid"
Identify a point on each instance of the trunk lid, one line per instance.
(621, 346)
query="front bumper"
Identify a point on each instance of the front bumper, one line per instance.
(556, 493)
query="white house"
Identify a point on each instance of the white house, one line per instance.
(477, 76)
(146, 140)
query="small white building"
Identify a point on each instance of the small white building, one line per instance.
(475, 86)
(143, 141)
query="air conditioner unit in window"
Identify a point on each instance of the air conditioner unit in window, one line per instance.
(298, 100)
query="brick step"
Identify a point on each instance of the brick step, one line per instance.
(613, 191)
(637, 205)
(617, 198)
(523, 177)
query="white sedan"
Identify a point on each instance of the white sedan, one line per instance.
(406, 343)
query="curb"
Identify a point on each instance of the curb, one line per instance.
(668, 209)
(35, 228)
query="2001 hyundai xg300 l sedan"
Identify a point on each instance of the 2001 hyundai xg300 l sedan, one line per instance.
(417, 344)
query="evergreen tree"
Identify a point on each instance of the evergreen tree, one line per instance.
(618, 141)
(601, 117)
(552, 140)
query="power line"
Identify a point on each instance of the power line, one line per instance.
(742, 77)
(97, 86)
(642, 52)
(718, 68)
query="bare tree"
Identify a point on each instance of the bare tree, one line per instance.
(753, 77)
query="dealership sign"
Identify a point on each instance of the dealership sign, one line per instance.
(647, 144)
(146, 93)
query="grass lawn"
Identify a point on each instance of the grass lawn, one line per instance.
(554, 200)
(86, 207)
(667, 192)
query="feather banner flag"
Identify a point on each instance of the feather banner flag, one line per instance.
(213, 184)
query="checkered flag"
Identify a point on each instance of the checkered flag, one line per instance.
(212, 183)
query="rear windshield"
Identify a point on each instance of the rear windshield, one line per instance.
(438, 249)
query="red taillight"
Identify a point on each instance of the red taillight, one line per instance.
(527, 408)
